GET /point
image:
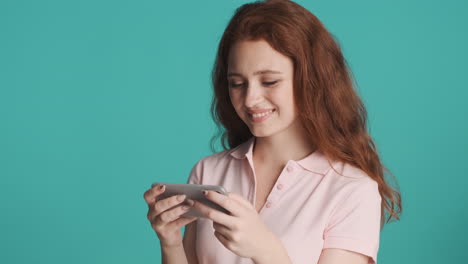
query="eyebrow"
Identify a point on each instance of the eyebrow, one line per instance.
(255, 73)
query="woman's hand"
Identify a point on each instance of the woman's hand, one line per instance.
(243, 231)
(166, 223)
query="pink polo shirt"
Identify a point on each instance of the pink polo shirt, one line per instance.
(310, 207)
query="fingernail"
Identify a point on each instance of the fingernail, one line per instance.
(161, 187)
(190, 202)
(181, 197)
(205, 193)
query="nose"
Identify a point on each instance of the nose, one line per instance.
(253, 95)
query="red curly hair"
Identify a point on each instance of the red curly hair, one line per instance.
(330, 110)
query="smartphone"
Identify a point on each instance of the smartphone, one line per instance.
(193, 192)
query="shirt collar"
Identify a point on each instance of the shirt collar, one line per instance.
(244, 150)
(314, 162)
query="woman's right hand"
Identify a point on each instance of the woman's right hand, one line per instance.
(166, 223)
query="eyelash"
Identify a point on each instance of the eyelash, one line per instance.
(266, 83)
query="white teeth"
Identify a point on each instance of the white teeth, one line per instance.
(262, 114)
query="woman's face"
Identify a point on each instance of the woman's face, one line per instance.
(261, 87)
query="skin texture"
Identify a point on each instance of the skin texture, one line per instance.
(279, 138)
(262, 91)
(243, 231)
(164, 221)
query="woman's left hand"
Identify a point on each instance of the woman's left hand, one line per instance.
(243, 231)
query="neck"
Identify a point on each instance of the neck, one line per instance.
(292, 144)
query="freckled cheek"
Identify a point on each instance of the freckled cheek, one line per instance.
(284, 103)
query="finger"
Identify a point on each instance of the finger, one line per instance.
(151, 194)
(222, 239)
(226, 202)
(240, 199)
(182, 221)
(213, 214)
(167, 203)
(226, 232)
(162, 205)
(170, 215)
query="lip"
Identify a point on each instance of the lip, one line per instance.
(260, 119)
(259, 111)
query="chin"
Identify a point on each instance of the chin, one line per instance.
(262, 132)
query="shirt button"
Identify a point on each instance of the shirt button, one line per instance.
(280, 186)
(290, 168)
(268, 205)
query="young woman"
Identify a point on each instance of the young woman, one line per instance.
(305, 180)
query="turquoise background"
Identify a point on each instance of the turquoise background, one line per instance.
(98, 99)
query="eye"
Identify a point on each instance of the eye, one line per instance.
(234, 85)
(270, 83)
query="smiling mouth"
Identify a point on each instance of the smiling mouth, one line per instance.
(259, 117)
(261, 114)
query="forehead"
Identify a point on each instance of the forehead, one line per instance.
(246, 57)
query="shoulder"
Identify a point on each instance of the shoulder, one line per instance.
(226, 156)
(217, 159)
(348, 179)
(212, 169)
(342, 172)
(348, 172)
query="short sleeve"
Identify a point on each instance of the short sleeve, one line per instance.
(196, 173)
(354, 225)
